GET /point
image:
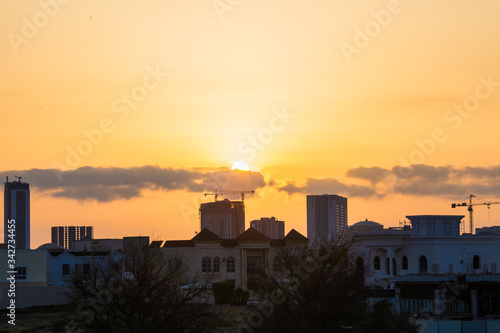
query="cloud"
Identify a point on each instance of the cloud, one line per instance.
(291, 188)
(328, 185)
(416, 180)
(108, 184)
(425, 172)
(426, 180)
(373, 174)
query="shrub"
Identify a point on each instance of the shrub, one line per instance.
(223, 292)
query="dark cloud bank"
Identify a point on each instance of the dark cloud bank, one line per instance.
(105, 184)
(417, 180)
(108, 184)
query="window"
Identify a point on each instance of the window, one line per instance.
(476, 262)
(65, 269)
(394, 267)
(376, 263)
(404, 262)
(216, 265)
(447, 227)
(276, 264)
(21, 273)
(254, 264)
(230, 265)
(206, 265)
(422, 264)
(431, 226)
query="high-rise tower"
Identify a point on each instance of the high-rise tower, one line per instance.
(326, 216)
(224, 218)
(17, 207)
(66, 235)
(270, 227)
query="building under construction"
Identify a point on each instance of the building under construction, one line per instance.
(224, 218)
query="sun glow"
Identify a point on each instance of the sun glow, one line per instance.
(238, 165)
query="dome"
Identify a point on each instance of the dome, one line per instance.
(50, 246)
(367, 226)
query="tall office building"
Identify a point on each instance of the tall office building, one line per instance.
(17, 207)
(66, 235)
(270, 227)
(224, 218)
(326, 216)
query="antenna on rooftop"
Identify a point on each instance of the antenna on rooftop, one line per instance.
(18, 178)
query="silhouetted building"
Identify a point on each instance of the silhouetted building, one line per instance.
(17, 208)
(270, 227)
(326, 216)
(66, 235)
(245, 260)
(224, 218)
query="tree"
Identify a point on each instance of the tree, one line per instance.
(382, 319)
(315, 290)
(149, 297)
(223, 292)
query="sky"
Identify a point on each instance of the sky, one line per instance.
(123, 114)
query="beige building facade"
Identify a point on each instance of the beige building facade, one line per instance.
(243, 260)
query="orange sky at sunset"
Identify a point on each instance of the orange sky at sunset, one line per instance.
(121, 114)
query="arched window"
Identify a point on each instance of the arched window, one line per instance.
(422, 264)
(277, 264)
(476, 262)
(376, 263)
(404, 263)
(206, 265)
(216, 265)
(230, 265)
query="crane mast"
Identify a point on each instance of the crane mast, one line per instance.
(470, 209)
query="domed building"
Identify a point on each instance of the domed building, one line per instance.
(50, 246)
(366, 226)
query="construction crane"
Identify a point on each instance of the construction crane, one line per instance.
(470, 204)
(216, 193)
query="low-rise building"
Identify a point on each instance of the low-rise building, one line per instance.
(431, 267)
(243, 260)
(41, 274)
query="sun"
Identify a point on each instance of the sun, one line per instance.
(238, 165)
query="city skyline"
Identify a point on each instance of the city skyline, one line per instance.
(124, 124)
